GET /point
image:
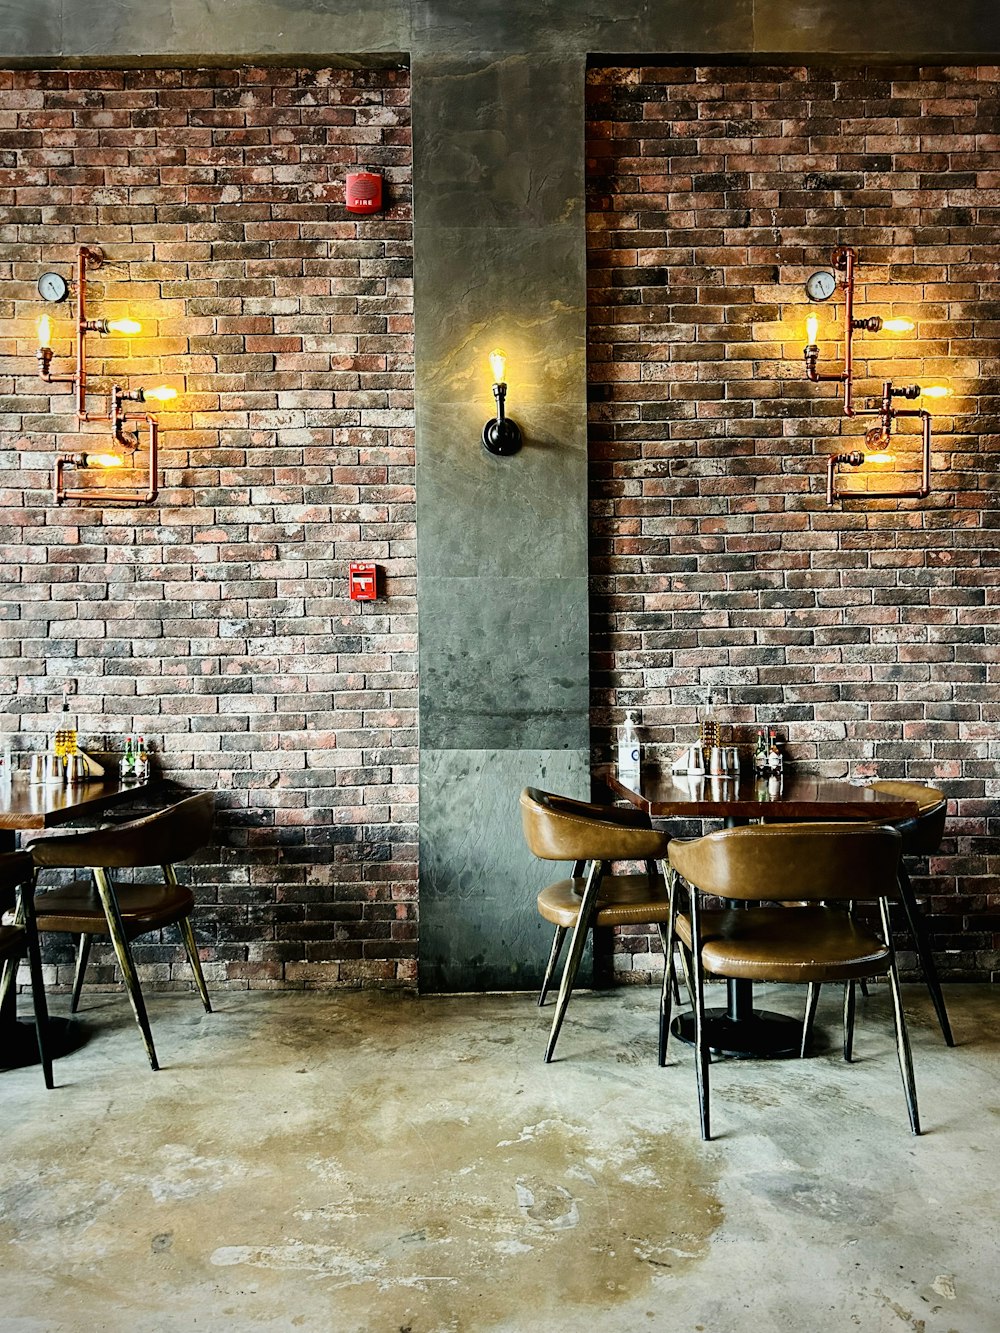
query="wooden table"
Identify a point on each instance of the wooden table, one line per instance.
(740, 1029)
(27, 806)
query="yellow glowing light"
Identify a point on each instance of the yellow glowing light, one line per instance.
(498, 365)
(898, 325)
(44, 331)
(936, 391)
(812, 329)
(163, 394)
(104, 460)
(880, 458)
(124, 326)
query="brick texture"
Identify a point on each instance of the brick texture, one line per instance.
(216, 621)
(868, 630)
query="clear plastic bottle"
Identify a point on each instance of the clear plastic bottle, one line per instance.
(629, 752)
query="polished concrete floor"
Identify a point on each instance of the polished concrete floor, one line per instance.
(375, 1162)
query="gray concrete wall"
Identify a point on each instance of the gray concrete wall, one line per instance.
(500, 258)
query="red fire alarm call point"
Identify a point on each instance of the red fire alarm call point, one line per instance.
(364, 192)
(363, 581)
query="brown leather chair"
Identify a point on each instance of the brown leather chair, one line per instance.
(17, 881)
(921, 837)
(558, 828)
(124, 911)
(807, 867)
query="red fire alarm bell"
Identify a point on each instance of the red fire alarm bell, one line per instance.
(364, 192)
(363, 581)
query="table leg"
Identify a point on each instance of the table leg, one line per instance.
(740, 1030)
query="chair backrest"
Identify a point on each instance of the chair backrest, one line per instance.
(15, 869)
(922, 835)
(792, 862)
(557, 828)
(159, 839)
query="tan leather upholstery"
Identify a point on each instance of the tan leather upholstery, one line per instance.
(773, 944)
(76, 908)
(559, 830)
(159, 839)
(624, 900)
(921, 836)
(791, 862)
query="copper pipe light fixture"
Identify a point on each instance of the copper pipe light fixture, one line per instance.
(128, 450)
(820, 286)
(500, 435)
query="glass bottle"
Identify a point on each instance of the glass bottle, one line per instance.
(128, 761)
(774, 761)
(760, 764)
(142, 761)
(708, 730)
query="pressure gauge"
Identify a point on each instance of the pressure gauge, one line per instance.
(821, 285)
(52, 287)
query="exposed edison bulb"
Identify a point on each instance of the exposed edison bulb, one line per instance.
(498, 365)
(898, 325)
(162, 394)
(880, 458)
(936, 391)
(104, 460)
(812, 330)
(44, 331)
(124, 326)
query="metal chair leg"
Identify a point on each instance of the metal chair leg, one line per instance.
(669, 986)
(587, 905)
(701, 1047)
(37, 985)
(82, 955)
(849, 1002)
(191, 949)
(812, 1000)
(902, 1036)
(557, 943)
(918, 929)
(123, 953)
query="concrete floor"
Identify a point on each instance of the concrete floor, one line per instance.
(375, 1162)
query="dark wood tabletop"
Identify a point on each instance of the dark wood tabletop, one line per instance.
(26, 805)
(798, 796)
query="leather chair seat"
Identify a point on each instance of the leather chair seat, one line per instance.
(623, 900)
(77, 908)
(778, 944)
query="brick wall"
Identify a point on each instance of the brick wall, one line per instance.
(216, 621)
(868, 630)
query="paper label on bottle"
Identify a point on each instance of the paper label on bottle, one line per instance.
(629, 762)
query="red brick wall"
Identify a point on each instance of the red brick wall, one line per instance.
(868, 630)
(216, 621)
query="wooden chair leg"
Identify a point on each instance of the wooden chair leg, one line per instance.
(123, 953)
(918, 929)
(902, 1036)
(587, 905)
(550, 970)
(82, 956)
(812, 1000)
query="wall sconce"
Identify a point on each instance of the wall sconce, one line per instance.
(126, 443)
(820, 286)
(501, 435)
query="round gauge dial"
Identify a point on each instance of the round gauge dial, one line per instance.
(52, 287)
(821, 285)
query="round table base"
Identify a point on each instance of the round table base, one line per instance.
(19, 1044)
(761, 1035)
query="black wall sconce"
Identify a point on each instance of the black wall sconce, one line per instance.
(126, 444)
(820, 286)
(500, 435)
